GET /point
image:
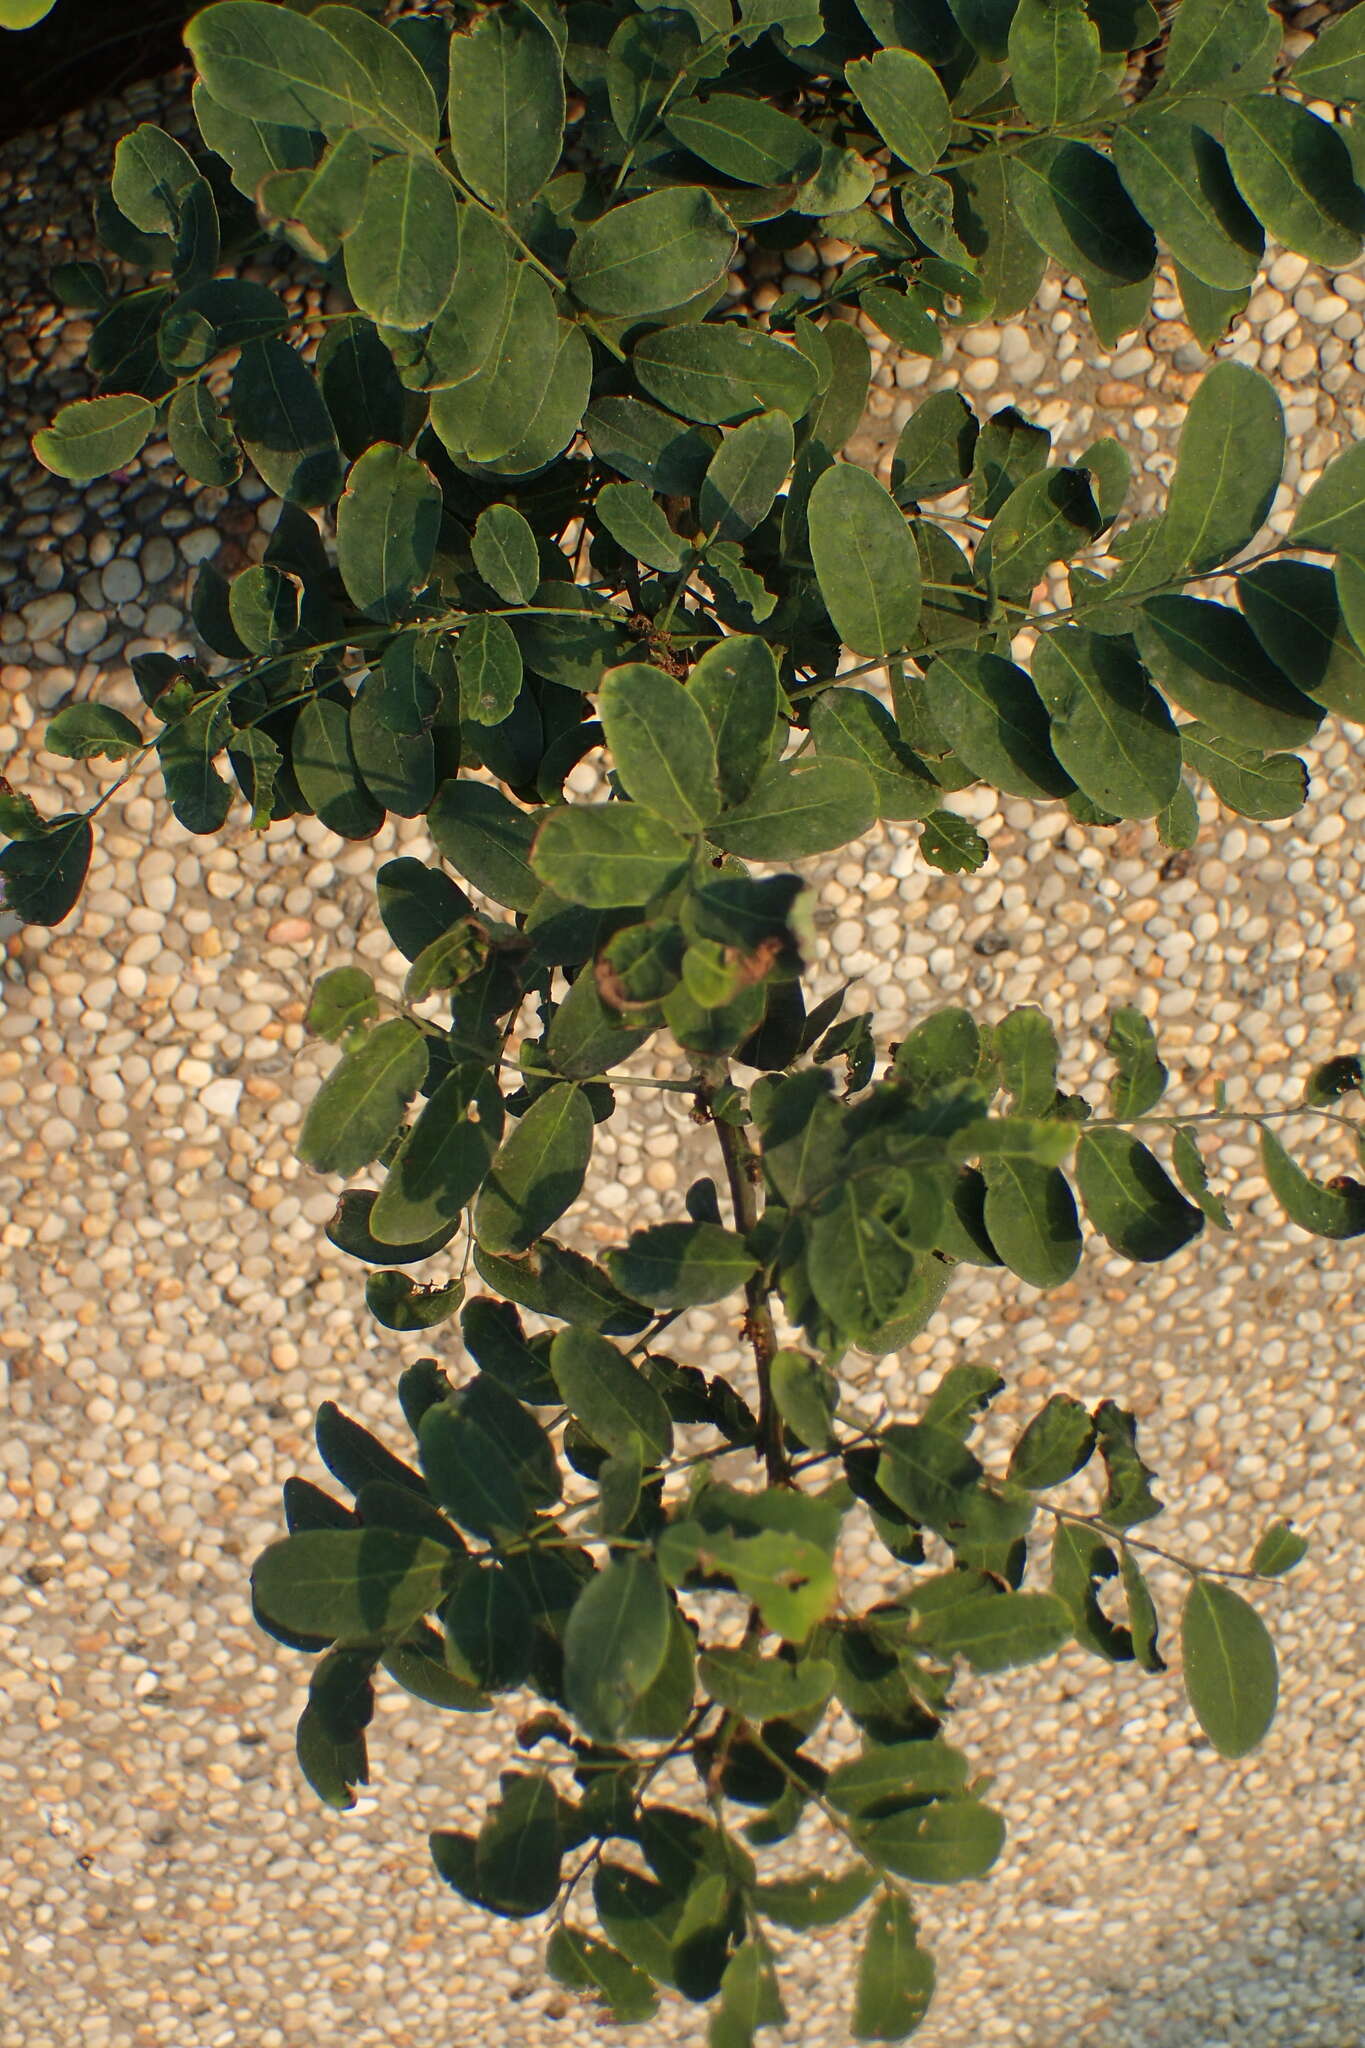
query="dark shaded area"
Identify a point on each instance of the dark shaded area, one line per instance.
(84, 50)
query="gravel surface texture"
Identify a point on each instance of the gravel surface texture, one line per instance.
(171, 1314)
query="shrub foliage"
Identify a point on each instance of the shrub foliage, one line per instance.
(587, 506)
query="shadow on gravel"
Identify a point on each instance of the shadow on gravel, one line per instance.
(84, 51)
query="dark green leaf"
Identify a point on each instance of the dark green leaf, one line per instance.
(41, 875)
(1228, 468)
(736, 685)
(609, 1396)
(1140, 1078)
(360, 1104)
(993, 718)
(662, 745)
(1333, 65)
(1332, 516)
(997, 1631)
(681, 1265)
(745, 139)
(1295, 612)
(1071, 202)
(935, 451)
(744, 476)
(1047, 518)
(1054, 56)
(651, 253)
(343, 998)
(1220, 46)
(1056, 1443)
(865, 559)
(1109, 729)
(351, 1583)
(537, 1173)
(505, 553)
(1129, 1196)
(1030, 1217)
(851, 725)
(1333, 1208)
(487, 839)
(87, 732)
(1128, 1497)
(388, 522)
(1177, 174)
(1208, 659)
(1194, 1178)
(902, 97)
(506, 106)
(949, 843)
(278, 66)
(201, 440)
(1230, 1669)
(895, 1975)
(1296, 174)
(283, 423)
(615, 1643)
(439, 1166)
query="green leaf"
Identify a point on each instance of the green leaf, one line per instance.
(1278, 1550)
(388, 523)
(1142, 1614)
(317, 208)
(42, 875)
(361, 1584)
(745, 474)
(803, 1902)
(609, 1396)
(603, 855)
(746, 139)
(788, 1578)
(1070, 201)
(490, 669)
(647, 446)
(765, 1688)
(936, 447)
(506, 106)
(1030, 1218)
(328, 775)
(330, 1743)
(1208, 311)
(993, 718)
(661, 745)
(1333, 65)
(487, 839)
(279, 415)
(1109, 729)
(1208, 659)
(439, 1166)
(749, 1997)
(1332, 516)
(1128, 1497)
(1230, 1669)
(1328, 1209)
(651, 253)
(417, 904)
(517, 1859)
(1294, 609)
(1140, 1078)
(950, 844)
(1193, 1177)
(1008, 260)
(505, 553)
(945, 1843)
(681, 1265)
(1257, 785)
(279, 66)
(486, 416)
(1178, 176)
(537, 1173)
(1222, 47)
(85, 732)
(488, 1628)
(470, 1473)
(1228, 467)
(582, 1963)
(637, 524)
(895, 1975)
(201, 440)
(94, 435)
(615, 1643)
(342, 999)
(865, 560)
(1047, 518)
(902, 97)
(359, 385)
(401, 1303)
(736, 684)
(361, 1103)
(1055, 1444)
(997, 1631)
(850, 725)
(152, 176)
(791, 813)
(1131, 1199)
(1054, 57)
(1080, 1560)
(806, 1395)
(1296, 174)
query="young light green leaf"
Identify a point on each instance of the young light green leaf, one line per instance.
(1230, 1668)
(361, 1103)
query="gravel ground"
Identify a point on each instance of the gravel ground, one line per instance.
(170, 1315)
